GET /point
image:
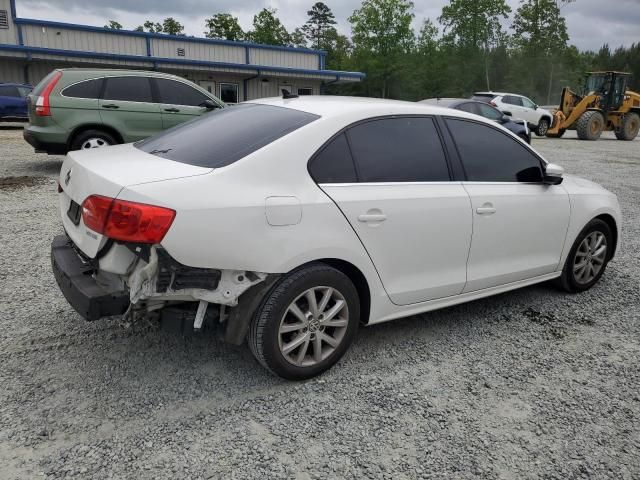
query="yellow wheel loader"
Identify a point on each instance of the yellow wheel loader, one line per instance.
(605, 105)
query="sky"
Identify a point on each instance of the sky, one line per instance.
(591, 23)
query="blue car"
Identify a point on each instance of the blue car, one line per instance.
(13, 101)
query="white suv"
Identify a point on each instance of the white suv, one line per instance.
(521, 107)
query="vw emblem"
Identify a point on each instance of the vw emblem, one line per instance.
(67, 178)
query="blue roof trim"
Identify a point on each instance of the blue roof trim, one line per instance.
(179, 61)
(133, 33)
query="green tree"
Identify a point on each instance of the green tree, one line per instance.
(113, 25)
(224, 26)
(268, 29)
(150, 26)
(319, 26)
(298, 39)
(382, 33)
(473, 27)
(171, 26)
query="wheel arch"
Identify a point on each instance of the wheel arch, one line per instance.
(94, 126)
(611, 222)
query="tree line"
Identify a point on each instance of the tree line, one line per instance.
(467, 48)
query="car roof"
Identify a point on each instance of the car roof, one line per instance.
(444, 102)
(105, 72)
(499, 94)
(328, 106)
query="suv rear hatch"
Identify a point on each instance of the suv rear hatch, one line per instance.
(106, 171)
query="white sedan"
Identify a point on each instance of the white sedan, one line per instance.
(289, 222)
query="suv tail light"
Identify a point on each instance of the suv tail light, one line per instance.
(43, 108)
(126, 221)
(493, 103)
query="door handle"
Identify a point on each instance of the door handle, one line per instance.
(372, 217)
(172, 110)
(486, 209)
(110, 105)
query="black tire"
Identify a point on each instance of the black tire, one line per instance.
(557, 135)
(629, 128)
(82, 138)
(264, 336)
(568, 280)
(590, 125)
(543, 127)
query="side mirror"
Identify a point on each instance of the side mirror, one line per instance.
(210, 104)
(505, 119)
(553, 174)
(508, 113)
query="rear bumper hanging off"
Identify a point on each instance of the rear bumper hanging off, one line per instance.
(78, 285)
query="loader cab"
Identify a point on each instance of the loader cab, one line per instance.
(609, 86)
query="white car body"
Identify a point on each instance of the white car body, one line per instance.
(518, 106)
(419, 246)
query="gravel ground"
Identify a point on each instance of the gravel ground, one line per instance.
(529, 384)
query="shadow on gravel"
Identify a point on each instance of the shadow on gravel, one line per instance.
(15, 183)
(47, 167)
(12, 127)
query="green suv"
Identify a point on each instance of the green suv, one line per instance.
(77, 108)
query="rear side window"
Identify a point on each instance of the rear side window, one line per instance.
(128, 89)
(86, 89)
(489, 155)
(333, 164)
(178, 93)
(9, 91)
(512, 100)
(225, 136)
(404, 149)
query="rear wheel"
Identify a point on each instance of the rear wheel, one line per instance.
(542, 127)
(306, 322)
(588, 258)
(629, 127)
(92, 139)
(590, 125)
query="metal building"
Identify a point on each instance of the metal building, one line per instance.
(234, 71)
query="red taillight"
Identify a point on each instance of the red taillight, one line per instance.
(493, 103)
(43, 108)
(126, 221)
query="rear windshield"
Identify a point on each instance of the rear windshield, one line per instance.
(225, 136)
(483, 97)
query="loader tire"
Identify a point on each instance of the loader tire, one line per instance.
(590, 125)
(629, 128)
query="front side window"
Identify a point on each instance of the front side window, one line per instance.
(528, 103)
(489, 155)
(467, 107)
(229, 92)
(489, 112)
(128, 89)
(178, 93)
(401, 149)
(333, 164)
(9, 91)
(224, 136)
(88, 89)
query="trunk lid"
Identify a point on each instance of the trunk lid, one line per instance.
(106, 171)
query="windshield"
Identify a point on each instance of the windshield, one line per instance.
(595, 83)
(219, 138)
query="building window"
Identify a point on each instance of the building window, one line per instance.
(305, 91)
(4, 19)
(229, 92)
(180, 52)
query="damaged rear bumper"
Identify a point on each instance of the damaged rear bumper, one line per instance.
(75, 277)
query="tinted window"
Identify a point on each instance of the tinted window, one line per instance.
(483, 97)
(406, 149)
(9, 91)
(224, 136)
(467, 107)
(178, 93)
(510, 99)
(88, 89)
(229, 92)
(489, 155)
(528, 103)
(128, 89)
(333, 164)
(489, 112)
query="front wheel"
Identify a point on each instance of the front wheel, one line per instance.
(588, 258)
(543, 127)
(306, 323)
(590, 125)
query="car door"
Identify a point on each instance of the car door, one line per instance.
(127, 105)
(519, 223)
(530, 109)
(516, 108)
(12, 103)
(179, 102)
(390, 179)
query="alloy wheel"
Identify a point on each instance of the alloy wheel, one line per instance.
(313, 326)
(94, 142)
(590, 257)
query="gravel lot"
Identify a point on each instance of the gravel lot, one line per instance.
(530, 384)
